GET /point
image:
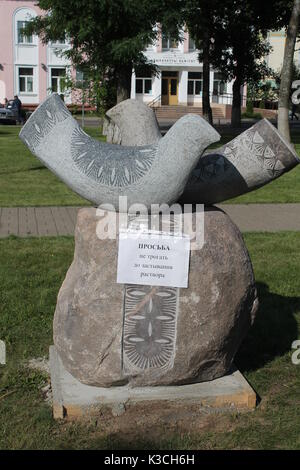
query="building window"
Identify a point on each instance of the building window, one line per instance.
(168, 42)
(143, 86)
(22, 39)
(60, 42)
(195, 81)
(192, 45)
(220, 85)
(169, 73)
(26, 80)
(143, 82)
(58, 80)
(82, 75)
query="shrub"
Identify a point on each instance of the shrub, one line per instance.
(251, 115)
(249, 107)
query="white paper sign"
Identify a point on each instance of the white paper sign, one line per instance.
(153, 259)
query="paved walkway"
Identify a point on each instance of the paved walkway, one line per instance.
(37, 221)
(53, 221)
(264, 217)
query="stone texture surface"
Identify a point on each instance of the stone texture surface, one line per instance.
(213, 314)
(101, 172)
(111, 131)
(136, 124)
(254, 158)
(251, 160)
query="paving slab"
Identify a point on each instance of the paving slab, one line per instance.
(63, 220)
(9, 221)
(54, 221)
(264, 217)
(37, 221)
(45, 221)
(27, 222)
(72, 399)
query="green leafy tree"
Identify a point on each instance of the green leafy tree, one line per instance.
(107, 36)
(233, 37)
(241, 43)
(201, 18)
(287, 71)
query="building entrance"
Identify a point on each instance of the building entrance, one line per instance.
(169, 88)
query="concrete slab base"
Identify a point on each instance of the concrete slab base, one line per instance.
(73, 399)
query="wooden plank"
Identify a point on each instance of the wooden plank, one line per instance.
(27, 222)
(9, 223)
(45, 222)
(63, 221)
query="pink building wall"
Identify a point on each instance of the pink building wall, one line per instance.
(186, 41)
(7, 10)
(8, 64)
(159, 40)
(42, 70)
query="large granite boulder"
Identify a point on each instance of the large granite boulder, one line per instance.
(111, 334)
(111, 131)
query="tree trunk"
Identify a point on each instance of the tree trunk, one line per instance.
(124, 84)
(206, 109)
(286, 74)
(236, 103)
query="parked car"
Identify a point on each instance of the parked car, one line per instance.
(9, 113)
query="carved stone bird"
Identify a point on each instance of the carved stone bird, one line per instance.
(101, 172)
(254, 158)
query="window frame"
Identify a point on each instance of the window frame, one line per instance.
(58, 77)
(25, 38)
(191, 49)
(219, 81)
(194, 80)
(169, 42)
(25, 77)
(59, 43)
(143, 79)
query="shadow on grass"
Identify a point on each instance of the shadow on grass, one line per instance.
(4, 133)
(42, 167)
(295, 136)
(22, 170)
(273, 332)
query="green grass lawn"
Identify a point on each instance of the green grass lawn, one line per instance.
(27, 302)
(24, 181)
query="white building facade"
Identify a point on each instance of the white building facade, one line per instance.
(32, 70)
(179, 80)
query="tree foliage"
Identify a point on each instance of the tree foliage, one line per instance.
(107, 36)
(201, 18)
(287, 71)
(238, 37)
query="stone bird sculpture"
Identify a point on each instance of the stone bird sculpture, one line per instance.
(254, 158)
(101, 172)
